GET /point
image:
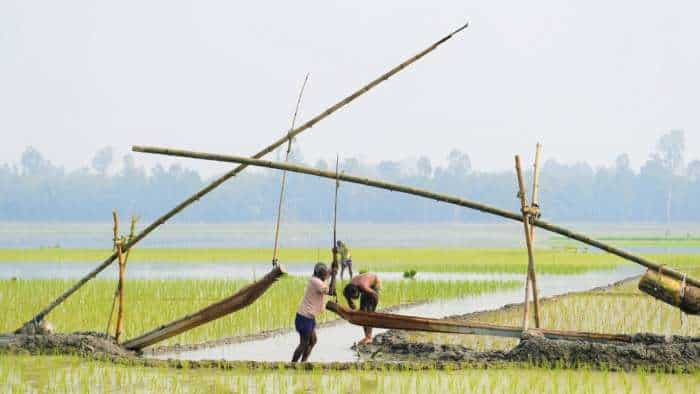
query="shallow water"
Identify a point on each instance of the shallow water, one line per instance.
(500, 233)
(335, 341)
(247, 271)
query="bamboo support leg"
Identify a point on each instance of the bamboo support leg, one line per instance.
(534, 204)
(528, 242)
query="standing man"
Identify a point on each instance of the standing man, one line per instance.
(366, 287)
(345, 258)
(311, 305)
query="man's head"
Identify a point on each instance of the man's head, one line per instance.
(351, 292)
(339, 243)
(321, 271)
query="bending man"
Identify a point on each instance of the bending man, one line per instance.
(311, 305)
(366, 287)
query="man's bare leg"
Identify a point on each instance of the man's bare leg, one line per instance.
(310, 347)
(301, 349)
(368, 336)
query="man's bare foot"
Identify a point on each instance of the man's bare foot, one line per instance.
(365, 341)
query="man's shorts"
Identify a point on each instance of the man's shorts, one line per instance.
(304, 325)
(347, 263)
(367, 302)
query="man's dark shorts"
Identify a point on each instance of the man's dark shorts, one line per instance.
(304, 325)
(367, 302)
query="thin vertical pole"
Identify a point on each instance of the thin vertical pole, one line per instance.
(528, 242)
(120, 285)
(334, 247)
(275, 249)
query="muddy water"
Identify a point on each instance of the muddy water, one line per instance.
(247, 271)
(335, 341)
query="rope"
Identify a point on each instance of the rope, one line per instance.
(682, 293)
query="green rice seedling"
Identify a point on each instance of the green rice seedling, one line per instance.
(373, 259)
(151, 303)
(624, 310)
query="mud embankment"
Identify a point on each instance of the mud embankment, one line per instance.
(648, 351)
(86, 344)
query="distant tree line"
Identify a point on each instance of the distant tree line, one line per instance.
(665, 188)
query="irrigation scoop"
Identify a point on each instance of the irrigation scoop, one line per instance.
(415, 323)
(195, 197)
(425, 194)
(237, 301)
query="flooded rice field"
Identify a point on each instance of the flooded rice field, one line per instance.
(498, 234)
(335, 340)
(247, 271)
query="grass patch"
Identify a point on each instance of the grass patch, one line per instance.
(624, 310)
(150, 303)
(70, 374)
(374, 259)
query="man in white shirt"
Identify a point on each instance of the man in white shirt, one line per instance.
(311, 305)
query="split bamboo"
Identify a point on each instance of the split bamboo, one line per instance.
(426, 194)
(195, 197)
(415, 323)
(237, 301)
(531, 276)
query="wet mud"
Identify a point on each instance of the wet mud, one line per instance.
(646, 351)
(79, 343)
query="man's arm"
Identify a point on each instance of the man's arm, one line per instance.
(366, 289)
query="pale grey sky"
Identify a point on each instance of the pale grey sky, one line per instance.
(588, 79)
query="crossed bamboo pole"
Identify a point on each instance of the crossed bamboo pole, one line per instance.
(216, 183)
(426, 194)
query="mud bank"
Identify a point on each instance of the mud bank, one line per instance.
(86, 344)
(647, 351)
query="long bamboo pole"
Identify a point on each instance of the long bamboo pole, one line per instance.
(275, 249)
(530, 277)
(195, 197)
(421, 193)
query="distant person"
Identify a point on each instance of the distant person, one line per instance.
(366, 287)
(345, 258)
(312, 304)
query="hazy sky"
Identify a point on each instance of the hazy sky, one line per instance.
(589, 79)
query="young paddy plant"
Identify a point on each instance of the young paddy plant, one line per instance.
(151, 303)
(374, 259)
(624, 310)
(69, 374)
